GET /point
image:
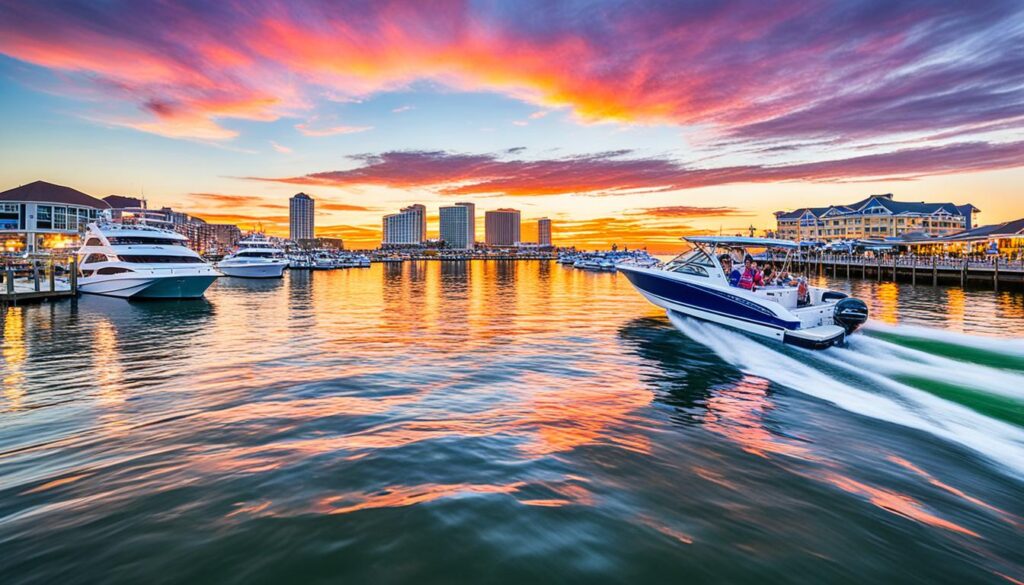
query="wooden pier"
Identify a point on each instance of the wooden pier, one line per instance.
(36, 281)
(931, 270)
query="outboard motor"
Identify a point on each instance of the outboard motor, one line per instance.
(850, 314)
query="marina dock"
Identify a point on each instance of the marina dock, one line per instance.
(933, 270)
(36, 282)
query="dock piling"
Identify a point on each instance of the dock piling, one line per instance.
(35, 275)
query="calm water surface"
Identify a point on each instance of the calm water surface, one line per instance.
(502, 422)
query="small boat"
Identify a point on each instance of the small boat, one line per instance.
(695, 284)
(138, 261)
(256, 257)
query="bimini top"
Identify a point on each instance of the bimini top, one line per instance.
(741, 241)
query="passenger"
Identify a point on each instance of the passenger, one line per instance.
(768, 274)
(751, 276)
(803, 292)
(731, 274)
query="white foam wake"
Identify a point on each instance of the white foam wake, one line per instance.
(888, 400)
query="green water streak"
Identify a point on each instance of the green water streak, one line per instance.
(999, 407)
(954, 351)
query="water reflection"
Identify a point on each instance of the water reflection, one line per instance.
(14, 356)
(536, 411)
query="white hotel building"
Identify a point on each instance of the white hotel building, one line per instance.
(407, 227)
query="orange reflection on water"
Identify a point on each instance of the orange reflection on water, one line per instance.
(14, 354)
(400, 496)
(737, 412)
(950, 489)
(584, 413)
(107, 371)
(956, 308)
(897, 503)
(56, 483)
(886, 303)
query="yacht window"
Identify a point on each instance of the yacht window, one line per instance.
(87, 273)
(112, 270)
(135, 240)
(256, 254)
(151, 259)
(93, 258)
(93, 242)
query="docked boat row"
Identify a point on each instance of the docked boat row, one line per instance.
(142, 261)
(326, 260)
(605, 261)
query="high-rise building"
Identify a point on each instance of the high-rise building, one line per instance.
(501, 227)
(300, 217)
(544, 232)
(458, 225)
(407, 227)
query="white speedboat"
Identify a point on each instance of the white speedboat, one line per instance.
(256, 257)
(695, 284)
(141, 261)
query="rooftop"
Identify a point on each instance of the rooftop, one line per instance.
(43, 192)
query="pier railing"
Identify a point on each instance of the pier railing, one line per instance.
(38, 279)
(937, 269)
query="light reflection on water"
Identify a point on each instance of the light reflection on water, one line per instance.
(433, 422)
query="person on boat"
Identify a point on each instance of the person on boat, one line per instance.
(751, 276)
(768, 274)
(803, 292)
(731, 274)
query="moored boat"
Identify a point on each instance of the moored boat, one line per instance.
(139, 261)
(256, 257)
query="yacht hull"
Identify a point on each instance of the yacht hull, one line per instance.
(150, 287)
(269, 270)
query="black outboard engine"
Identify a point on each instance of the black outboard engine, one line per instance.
(850, 314)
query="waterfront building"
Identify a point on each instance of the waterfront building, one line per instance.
(458, 225)
(501, 227)
(407, 227)
(41, 216)
(877, 216)
(300, 217)
(544, 231)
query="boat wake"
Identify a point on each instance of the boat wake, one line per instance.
(964, 389)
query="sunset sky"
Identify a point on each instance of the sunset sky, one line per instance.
(632, 123)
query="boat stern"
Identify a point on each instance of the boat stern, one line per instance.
(821, 337)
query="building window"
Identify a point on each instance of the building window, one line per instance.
(9, 216)
(60, 220)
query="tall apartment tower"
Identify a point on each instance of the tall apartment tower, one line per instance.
(544, 232)
(408, 226)
(501, 227)
(300, 217)
(458, 225)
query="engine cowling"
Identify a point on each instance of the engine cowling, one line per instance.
(850, 314)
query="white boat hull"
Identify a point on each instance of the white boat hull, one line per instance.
(254, 270)
(149, 287)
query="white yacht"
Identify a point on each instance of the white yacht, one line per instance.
(141, 261)
(256, 257)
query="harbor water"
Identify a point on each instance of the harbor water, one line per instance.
(505, 422)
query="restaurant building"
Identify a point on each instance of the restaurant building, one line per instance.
(42, 216)
(878, 216)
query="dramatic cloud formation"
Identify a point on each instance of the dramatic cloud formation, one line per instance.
(613, 173)
(742, 68)
(690, 211)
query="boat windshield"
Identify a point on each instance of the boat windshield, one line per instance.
(696, 261)
(146, 241)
